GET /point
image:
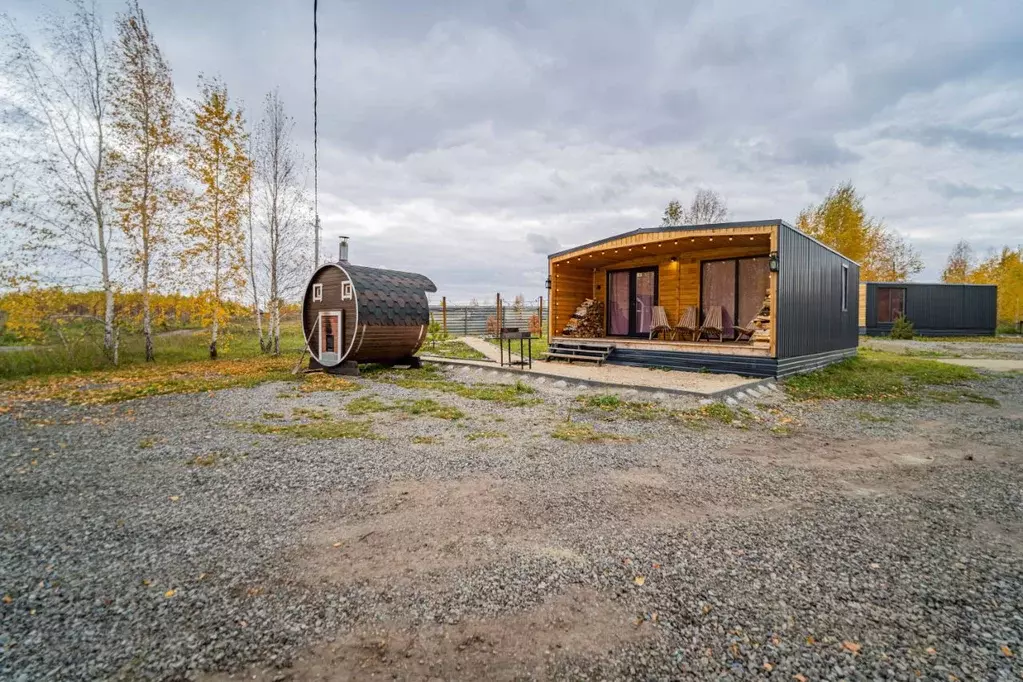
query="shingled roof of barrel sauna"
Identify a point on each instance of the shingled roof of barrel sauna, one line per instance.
(353, 313)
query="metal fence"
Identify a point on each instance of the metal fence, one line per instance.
(471, 320)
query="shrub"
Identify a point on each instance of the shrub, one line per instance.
(901, 328)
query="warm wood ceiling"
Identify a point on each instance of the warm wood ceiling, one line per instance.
(682, 246)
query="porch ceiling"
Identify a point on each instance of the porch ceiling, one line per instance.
(680, 245)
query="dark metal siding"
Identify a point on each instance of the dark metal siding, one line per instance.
(940, 309)
(809, 317)
(743, 365)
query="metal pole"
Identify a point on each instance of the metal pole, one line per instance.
(444, 313)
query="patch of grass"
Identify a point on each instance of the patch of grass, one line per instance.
(877, 376)
(578, 432)
(273, 415)
(366, 404)
(515, 395)
(969, 339)
(207, 460)
(147, 443)
(426, 440)
(540, 346)
(484, 435)
(326, 429)
(612, 403)
(957, 396)
(310, 413)
(323, 382)
(719, 412)
(926, 353)
(142, 381)
(458, 350)
(781, 430)
(238, 341)
(430, 408)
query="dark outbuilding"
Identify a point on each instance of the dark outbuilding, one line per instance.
(353, 313)
(934, 309)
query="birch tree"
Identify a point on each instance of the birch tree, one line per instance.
(281, 205)
(142, 164)
(216, 159)
(707, 207)
(254, 283)
(58, 141)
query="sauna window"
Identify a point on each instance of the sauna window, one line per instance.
(346, 291)
(317, 293)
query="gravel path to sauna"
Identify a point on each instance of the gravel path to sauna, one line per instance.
(162, 538)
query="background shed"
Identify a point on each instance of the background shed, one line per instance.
(934, 309)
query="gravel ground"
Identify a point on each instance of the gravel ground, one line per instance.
(156, 539)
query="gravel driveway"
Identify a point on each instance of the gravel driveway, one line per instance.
(162, 538)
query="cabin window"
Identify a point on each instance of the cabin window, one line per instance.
(317, 293)
(736, 285)
(845, 288)
(891, 302)
(346, 291)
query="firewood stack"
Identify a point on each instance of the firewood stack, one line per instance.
(762, 323)
(587, 320)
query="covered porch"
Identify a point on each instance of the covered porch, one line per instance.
(709, 271)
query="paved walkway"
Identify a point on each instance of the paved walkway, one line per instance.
(995, 365)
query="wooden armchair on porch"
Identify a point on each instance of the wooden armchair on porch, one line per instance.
(747, 330)
(689, 324)
(713, 323)
(659, 322)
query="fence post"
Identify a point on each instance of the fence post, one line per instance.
(444, 313)
(540, 313)
(497, 313)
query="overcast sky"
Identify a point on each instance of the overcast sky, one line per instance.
(468, 139)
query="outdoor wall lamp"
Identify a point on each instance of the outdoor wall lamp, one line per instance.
(772, 261)
(548, 283)
(674, 259)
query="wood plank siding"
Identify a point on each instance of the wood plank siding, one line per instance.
(581, 274)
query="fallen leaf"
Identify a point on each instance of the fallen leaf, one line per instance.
(1006, 651)
(811, 640)
(7, 599)
(170, 593)
(768, 667)
(707, 608)
(202, 576)
(931, 650)
(174, 498)
(337, 544)
(875, 566)
(851, 646)
(799, 678)
(639, 580)
(656, 565)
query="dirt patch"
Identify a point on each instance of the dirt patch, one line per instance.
(833, 454)
(412, 529)
(523, 645)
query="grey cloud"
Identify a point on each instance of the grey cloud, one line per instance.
(963, 190)
(542, 244)
(965, 138)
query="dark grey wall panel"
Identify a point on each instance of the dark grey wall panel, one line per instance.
(744, 365)
(940, 309)
(809, 317)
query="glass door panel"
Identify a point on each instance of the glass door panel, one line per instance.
(618, 303)
(646, 298)
(754, 278)
(718, 289)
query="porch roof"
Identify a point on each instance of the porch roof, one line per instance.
(668, 231)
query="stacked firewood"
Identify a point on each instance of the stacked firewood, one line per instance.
(762, 324)
(587, 320)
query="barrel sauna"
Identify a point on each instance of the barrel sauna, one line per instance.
(352, 314)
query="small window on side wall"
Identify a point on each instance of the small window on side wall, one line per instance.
(845, 287)
(317, 293)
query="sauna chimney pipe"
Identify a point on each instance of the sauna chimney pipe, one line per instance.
(342, 250)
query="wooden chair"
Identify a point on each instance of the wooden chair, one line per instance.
(747, 330)
(659, 322)
(689, 323)
(712, 323)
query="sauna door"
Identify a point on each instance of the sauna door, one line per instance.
(331, 337)
(631, 297)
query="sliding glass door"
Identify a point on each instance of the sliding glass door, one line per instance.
(738, 286)
(631, 297)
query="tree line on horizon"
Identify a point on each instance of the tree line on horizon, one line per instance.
(841, 221)
(104, 168)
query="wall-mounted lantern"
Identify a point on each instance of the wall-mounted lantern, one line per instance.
(548, 283)
(772, 261)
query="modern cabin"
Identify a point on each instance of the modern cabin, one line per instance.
(755, 298)
(934, 309)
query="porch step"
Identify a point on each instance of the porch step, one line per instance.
(576, 350)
